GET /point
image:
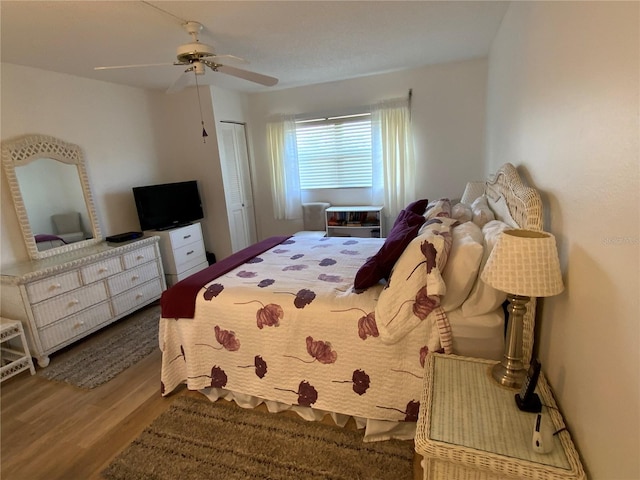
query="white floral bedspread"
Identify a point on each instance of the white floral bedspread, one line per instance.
(288, 327)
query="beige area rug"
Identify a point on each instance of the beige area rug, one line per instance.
(198, 439)
(97, 359)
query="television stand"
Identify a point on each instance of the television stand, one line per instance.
(182, 251)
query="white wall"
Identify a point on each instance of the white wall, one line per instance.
(448, 111)
(132, 137)
(111, 123)
(185, 156)
(129, 137)
(563, 104)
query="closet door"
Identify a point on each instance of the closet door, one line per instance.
(236, 175)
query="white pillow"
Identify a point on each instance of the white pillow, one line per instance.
(501, 211)
(461, 270)
(462, 212)
(484, 298)
(481, 211)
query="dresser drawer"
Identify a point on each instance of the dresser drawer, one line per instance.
(186, 235)
(62, 306)
(74, 326)
(100, 270)
(189, 256)
(139, 257)
(137, 297)
(50, 287)
(132, 278)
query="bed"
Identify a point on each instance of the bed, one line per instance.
(47, 241)
(342, 325)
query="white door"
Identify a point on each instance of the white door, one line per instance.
(236, 176)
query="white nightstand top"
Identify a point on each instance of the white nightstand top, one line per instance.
(466, 417)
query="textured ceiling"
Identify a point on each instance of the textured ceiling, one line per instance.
(299, 42)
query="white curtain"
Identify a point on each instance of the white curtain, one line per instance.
(285, 181)
(393, 161)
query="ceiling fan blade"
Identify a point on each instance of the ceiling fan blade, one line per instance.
(181, 82)
(114, 67)
(222, 59)
(245, 74)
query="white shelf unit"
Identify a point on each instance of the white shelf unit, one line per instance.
(14, 356)
(354, 221)
(182, 251)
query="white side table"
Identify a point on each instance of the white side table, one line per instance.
(470, 427)
(13, 358)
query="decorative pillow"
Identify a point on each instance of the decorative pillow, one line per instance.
(472, 191)
(438, 208)
(461, 270)
(462, 212)
(501, 211)
(419, 206)
(379, 266)
(481, 211)
(416, 283)
(484, 298)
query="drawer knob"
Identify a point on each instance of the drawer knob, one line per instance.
(55, 286)
(186, 236)
(139, 295)
(79, 324)
(73, 302)
(103, 270)
(189, 252)
(135, 277)
(139, 257)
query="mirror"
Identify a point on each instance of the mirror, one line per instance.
(51, 194)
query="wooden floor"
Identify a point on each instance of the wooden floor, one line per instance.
(51, 430)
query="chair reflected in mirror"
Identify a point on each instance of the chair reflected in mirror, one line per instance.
(68, 226)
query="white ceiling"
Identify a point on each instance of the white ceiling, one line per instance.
(299, 42)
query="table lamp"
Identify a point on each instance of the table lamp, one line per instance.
(524, 264)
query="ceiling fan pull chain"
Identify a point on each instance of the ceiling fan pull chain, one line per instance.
(204, 132)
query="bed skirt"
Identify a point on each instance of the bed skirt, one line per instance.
(374, 430)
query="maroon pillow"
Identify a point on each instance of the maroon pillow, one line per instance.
(419, 206)
(379, 266)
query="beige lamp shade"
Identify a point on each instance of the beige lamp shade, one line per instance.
(524, 262)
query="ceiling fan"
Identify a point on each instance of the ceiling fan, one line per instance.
(196, 56)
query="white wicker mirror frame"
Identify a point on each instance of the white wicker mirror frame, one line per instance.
(25, 149)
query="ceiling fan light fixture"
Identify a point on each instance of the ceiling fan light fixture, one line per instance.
(198, 68)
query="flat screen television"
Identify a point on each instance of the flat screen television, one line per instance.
(170, 205)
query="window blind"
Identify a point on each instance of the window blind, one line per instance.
(335, 152)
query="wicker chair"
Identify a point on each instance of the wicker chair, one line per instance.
(68, 226)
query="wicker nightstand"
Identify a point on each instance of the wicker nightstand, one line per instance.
(469, 427)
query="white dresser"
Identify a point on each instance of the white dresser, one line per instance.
(182, 250)
(66, 297)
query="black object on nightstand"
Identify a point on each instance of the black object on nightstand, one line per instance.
(527, 400)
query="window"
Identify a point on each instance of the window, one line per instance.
(335, 152)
